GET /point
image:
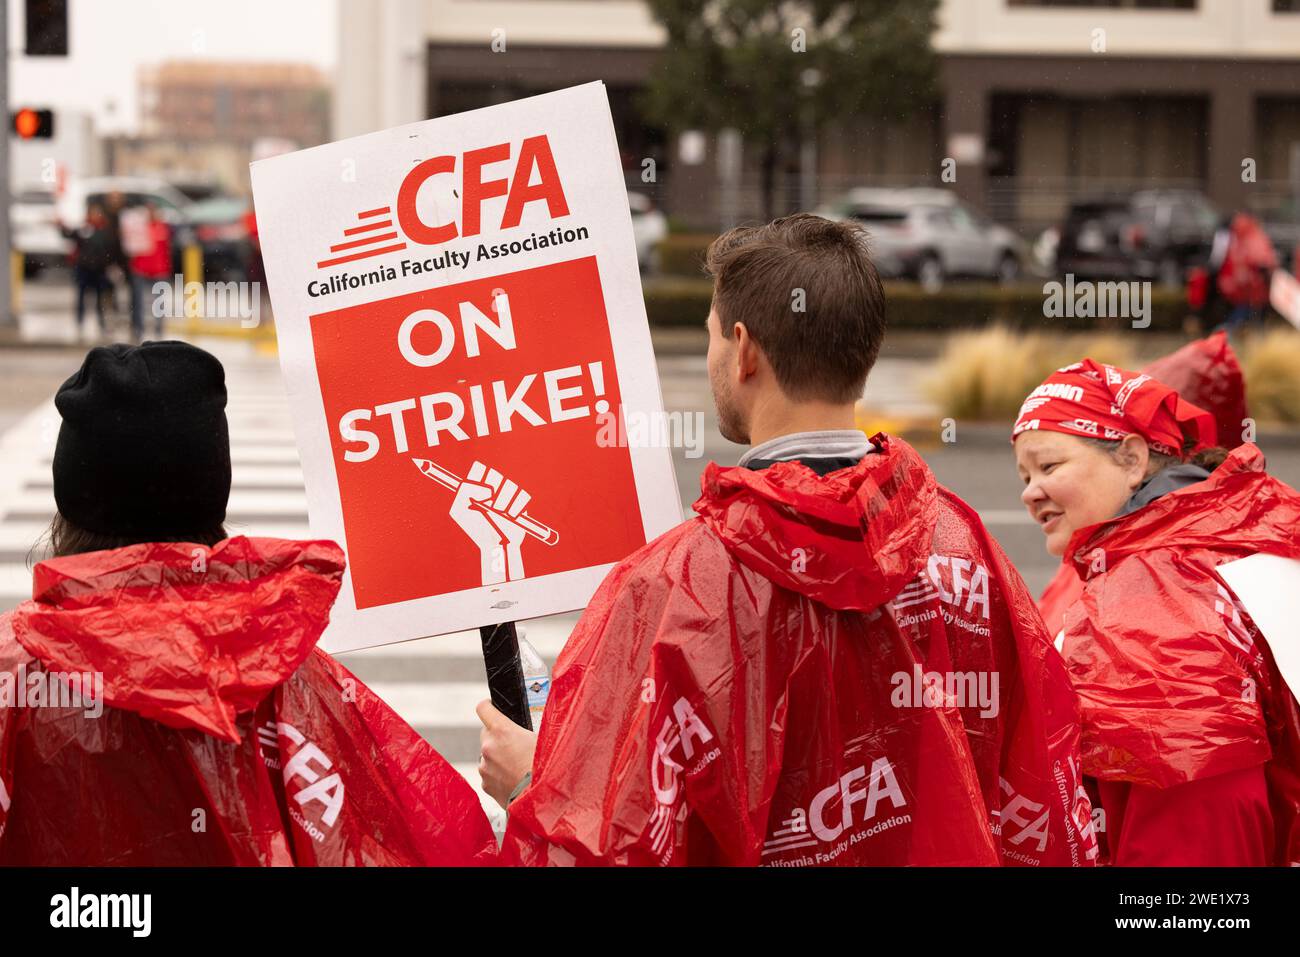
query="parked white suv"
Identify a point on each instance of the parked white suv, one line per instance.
(135, 191)
(649, 227)
(35, 230)
(927, 235)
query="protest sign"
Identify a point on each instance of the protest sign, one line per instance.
(460, 323)
(1284, 295)
(1268, 587)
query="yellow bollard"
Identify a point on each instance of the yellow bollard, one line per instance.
(15, 282)
(192, 267)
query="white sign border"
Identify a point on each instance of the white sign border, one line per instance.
(285, 238)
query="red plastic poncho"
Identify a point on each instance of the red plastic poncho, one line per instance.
(225, 736)
(1187, 723)
(754, 687)
(1205, 373)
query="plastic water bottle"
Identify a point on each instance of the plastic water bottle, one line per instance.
(537, 679)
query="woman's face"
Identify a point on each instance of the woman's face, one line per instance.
(1071, 483)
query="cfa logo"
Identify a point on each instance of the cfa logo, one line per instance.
(308, 763)
(682, 727)
(443, 198)
(1083, 425)
(1027, 819)
(961, 582)
(881, 784)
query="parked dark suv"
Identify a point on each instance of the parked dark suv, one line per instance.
(1152, 234)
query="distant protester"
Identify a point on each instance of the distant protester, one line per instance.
(149, 244)
(93, 252)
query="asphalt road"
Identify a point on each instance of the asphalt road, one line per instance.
(980, 468)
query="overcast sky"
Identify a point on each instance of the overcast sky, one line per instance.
(110, 39)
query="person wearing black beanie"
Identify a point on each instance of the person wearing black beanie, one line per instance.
(171, 673)
(143, 453)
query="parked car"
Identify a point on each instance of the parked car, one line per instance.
(135, 191)
(220, 227)
(649, 227)
(1283, 229)
(197, 190)
(1151, 234)
(928, 235)
(34, 227)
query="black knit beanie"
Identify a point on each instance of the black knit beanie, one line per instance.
(144, 449)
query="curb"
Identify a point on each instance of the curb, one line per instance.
(9, 340)
(262, 334)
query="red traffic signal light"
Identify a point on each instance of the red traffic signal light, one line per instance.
(31, 124)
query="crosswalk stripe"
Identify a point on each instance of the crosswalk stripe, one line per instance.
(15, 579)
(22, 535)
(448, 705)
(38, 502)
(252, 455)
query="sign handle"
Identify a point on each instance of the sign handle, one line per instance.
(504, 673)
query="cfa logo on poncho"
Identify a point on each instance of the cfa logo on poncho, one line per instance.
(821, 824)
(685, 729)
(307, 763)
(952, 580)
(1021, 820)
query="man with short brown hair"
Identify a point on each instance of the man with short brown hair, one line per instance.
(833, 663)
(809, 295)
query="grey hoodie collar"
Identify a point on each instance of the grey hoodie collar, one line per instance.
(1162, 483)
(829, 444)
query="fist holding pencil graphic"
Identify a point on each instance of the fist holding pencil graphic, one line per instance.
(489, 508)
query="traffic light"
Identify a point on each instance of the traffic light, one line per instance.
(47, 28)
(28, 124)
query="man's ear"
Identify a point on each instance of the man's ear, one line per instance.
(747, 352)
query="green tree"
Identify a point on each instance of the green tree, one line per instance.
(777, 71)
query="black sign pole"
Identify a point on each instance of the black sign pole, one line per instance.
(505, 674)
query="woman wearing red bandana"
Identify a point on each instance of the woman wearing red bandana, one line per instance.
(1190, 734)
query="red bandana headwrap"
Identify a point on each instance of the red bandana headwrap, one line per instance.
(1098, 401)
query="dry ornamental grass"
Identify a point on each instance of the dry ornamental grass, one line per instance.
(985, 375)
(1271, 365)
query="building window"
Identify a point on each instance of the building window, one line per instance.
(1286, 6)
(1132, 4)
